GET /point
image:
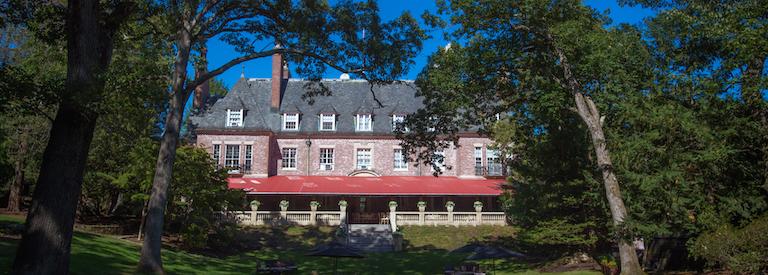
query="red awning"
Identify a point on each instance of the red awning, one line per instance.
(388, 185)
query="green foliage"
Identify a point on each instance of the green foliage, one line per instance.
(743, 250)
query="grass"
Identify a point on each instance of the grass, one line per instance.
(102, 254)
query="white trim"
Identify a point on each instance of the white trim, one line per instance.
(240, 116)
(285, 121)
(370, 150)
(398, 121)
(320, 122)
(357, 123)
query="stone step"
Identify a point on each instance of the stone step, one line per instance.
(370, 237)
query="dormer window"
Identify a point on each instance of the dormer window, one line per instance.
(291, 122)
(398, 120)
(234, 118)
(364, 123)
(327, 122)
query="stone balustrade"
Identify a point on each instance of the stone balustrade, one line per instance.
(333, 218)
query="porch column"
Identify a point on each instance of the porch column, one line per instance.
(422, 206)
(313, 214)
(478, 213)
(393, 215)
(343, 212)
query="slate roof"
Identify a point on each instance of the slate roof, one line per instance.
(346, 99)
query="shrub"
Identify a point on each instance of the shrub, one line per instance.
(195, 234)
(742, 250)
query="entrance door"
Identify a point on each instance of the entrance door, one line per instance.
(360, 212)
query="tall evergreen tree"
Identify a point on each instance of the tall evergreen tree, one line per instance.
(533, 59)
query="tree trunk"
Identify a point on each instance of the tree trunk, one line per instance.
(14, 198)
(45, 244)
(150, 260)
(588, 112)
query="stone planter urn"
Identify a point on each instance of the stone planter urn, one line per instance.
(284, 205)
(255, 205)
(422, 206)
(392, 206)
(314, 205)
(449, 206)
(478, 206)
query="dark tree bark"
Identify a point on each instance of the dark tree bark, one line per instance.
(589, 113)
(14, 197)
(45, 244)
(150, 260)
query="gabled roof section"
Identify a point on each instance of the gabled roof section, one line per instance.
(291, 109)
(346, 99)
(327, 109)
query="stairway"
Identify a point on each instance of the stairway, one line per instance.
(370, 237)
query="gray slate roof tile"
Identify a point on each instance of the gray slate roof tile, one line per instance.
(347, 98)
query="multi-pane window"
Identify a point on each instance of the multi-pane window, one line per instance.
(326, 159)
(289, 158)
(494, 162)
(232, 156)
(290, 121)
(248, 158)
(217, 154)
(478, 161)
(363, 158)
(401, 163)
(327, 122)
(364, 122)
(397, 120)
(234, 118)
(438, 159)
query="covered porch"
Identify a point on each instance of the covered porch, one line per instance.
(311, 200)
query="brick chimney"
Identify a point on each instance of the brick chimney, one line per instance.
(278, 76)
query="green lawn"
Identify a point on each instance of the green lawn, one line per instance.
(101, 254)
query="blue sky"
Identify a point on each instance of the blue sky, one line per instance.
(219, 53)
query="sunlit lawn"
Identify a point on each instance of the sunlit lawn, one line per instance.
(101, 254)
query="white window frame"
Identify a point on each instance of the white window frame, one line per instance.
(217, 154)
(360, 157)
(400, 162)
(248, 160)
(359, 126)
(492, 158)
(234, 118)
(398, 119)
(232, 157)
(286, 161)
(326, 158)
(332, 120)
(290, 117)
(478, 154)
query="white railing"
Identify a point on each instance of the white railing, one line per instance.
(333, 218)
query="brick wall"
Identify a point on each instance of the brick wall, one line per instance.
(267, 162)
